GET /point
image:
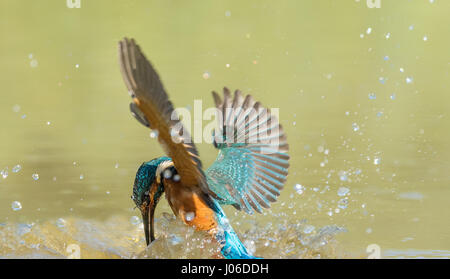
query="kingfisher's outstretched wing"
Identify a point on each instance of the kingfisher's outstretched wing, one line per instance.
(252, 164)
(151, 106)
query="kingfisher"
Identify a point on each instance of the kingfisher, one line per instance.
(250, 170)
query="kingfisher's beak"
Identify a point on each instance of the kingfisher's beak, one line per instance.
(148, 217)
(152, 218)
(145, 221)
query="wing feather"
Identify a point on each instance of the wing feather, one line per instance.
(253, 161)
(152, 107)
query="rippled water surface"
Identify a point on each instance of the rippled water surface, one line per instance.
(362, 94)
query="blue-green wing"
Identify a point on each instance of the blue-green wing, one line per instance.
(252, 165)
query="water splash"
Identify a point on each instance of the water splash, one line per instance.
(117, 237)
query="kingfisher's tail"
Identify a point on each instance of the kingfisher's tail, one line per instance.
(232, 248)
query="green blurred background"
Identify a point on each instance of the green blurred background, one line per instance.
(363, 95)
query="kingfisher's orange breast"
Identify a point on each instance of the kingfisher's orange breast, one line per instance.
(189, 206)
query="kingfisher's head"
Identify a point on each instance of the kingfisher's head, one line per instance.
(147, 190)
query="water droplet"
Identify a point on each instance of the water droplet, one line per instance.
(376, 160)
(16, 205)
(343, 191)
(60, 223)
(343, 203)
(116, 165)
(227, 65)
(4, 173)
(299, 189)
(167, 174)
(425, 38)
(77, 66)
(372, 96)
(81, 176)
(409, 80)
(319, 205)
(227, 13)
(35, 176)
(343, 176)
(386, 58)
(369, 230)
(402, 70)
(393, 96)
(355, 127)
(135, 220)
(206, 75)
(16, 108)
(411, 27)
(153, 134)
(33, 63)
(369, 30)
(189, 216)
(16, 168)
(388, 35)
(407, 239)
(176, 177)
(379, 114)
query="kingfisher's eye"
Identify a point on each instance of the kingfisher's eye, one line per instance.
(135, 199)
